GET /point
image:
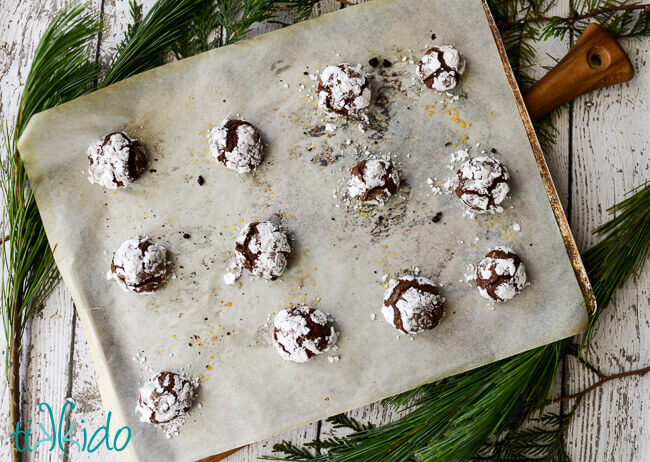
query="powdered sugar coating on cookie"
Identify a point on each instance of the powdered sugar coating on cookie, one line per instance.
(236, 144)
(262, 248)
(139, 265)
(373, 180)
(412, 304)
(343, 90)
(482, 184)
(115, 160)
(301, 333)
(441, 67)
(501, 274)
(164, 397)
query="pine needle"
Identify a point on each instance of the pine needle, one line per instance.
(147, 40)
(622, 251)
(61, 70)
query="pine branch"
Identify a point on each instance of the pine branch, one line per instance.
(344, 421)
(223, 22)
(601, 382)
(542, 441)
(61, 70)
(147, 40)
(572, 20)
(621, 253)
(291, 452)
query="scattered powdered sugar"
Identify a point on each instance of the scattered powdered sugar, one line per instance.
(343, 90)
(459, 156)
(262, 249)
(330, 127)
(109, 162)
(245, 155)
(302, 332)
(233, 274)
(133, 266)
(443, 66)
(470, 275)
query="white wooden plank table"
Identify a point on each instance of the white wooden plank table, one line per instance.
(603, 150)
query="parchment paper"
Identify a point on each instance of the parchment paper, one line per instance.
(340, 253)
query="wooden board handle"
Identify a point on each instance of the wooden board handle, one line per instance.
(595, 61)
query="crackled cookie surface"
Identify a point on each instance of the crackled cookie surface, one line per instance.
(501, 274)
(482, 184)
(115, 160)
(441, 68)
(236, 144)
(262, 248)
(412, 304)
(343, 90)
(373, 180)
(164, 397)
(139, 265)
(301, 333)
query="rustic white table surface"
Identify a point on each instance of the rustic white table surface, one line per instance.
(603, 150)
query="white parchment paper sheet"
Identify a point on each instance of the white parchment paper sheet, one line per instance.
(220, 332)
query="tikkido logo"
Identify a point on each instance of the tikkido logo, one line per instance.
(59, 438)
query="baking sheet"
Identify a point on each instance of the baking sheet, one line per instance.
(341, 252)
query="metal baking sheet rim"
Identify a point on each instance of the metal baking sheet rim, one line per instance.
(560, 217)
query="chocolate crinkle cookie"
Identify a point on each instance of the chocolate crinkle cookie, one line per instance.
(236, 144)
(441, 67)
(482, 184)
(164, 397)
(115, 160)
(139, 265)
(412, 304)
(373, 180)
(343, 90)
(500, 275)
(262, 248)
(301, 333)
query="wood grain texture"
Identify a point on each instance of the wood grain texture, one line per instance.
(611, 147)
(46, 355)
(602, 151)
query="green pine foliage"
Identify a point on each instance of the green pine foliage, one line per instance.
(624, 248)
(223, 22)
(61, 70)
